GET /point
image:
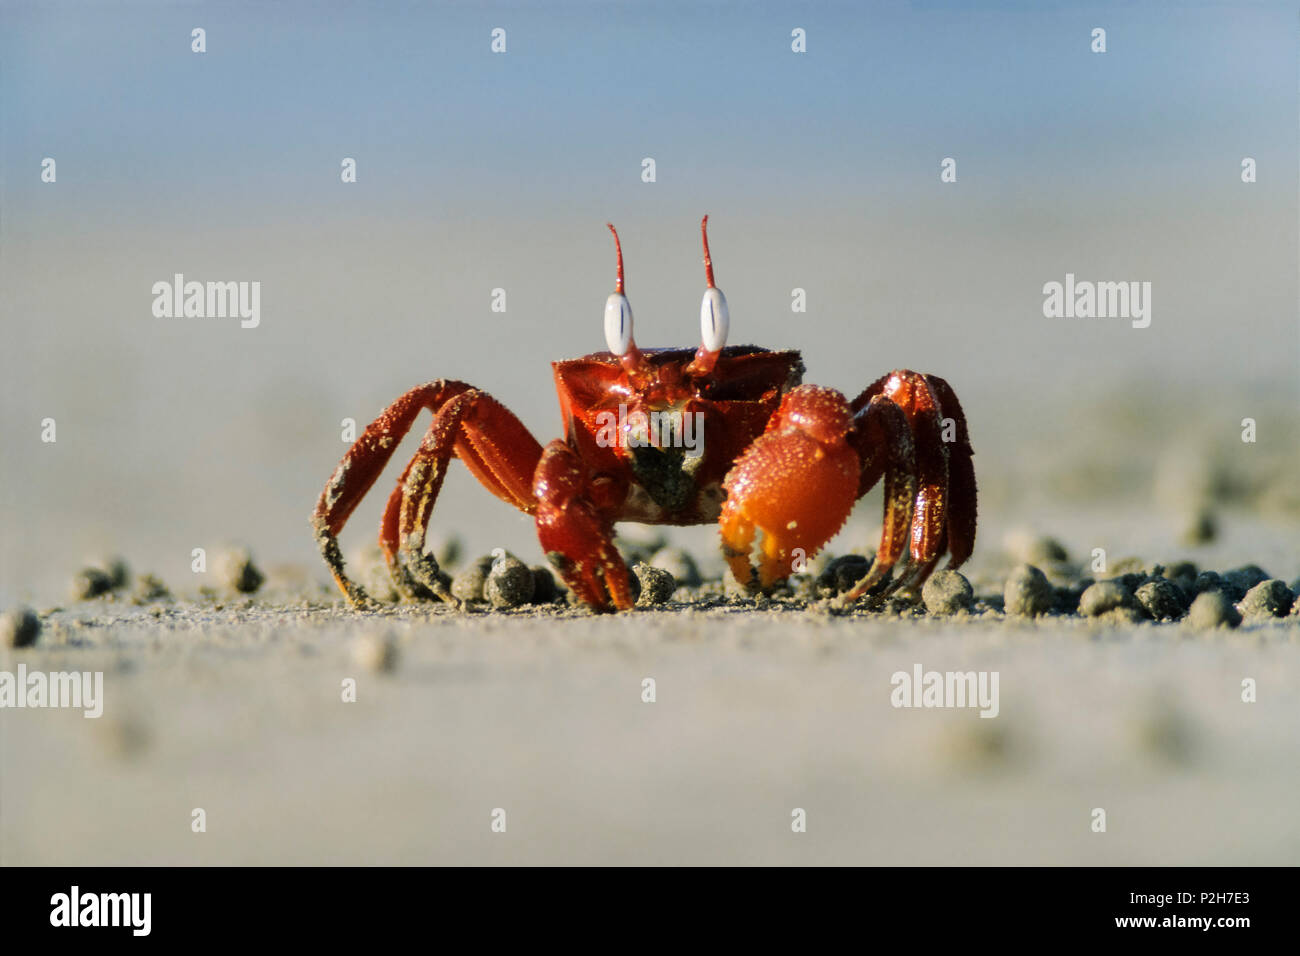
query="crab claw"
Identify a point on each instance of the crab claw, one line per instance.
(577, 539)
(796, 483)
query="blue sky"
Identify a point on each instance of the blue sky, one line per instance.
(712, 91)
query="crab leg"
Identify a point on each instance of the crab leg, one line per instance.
(495, 446)
(497, 449)
(361, 466)
(884, 443)
(961, 477)
(578, 538)
(945, 499)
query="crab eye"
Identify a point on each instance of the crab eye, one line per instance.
(715, 321)
(618, 324)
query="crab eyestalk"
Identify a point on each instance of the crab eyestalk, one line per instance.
(618, 319)
(715, 320)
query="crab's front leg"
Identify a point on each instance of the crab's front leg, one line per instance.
(796, 483)
(576, 532)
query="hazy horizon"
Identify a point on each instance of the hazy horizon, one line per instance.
(478, 171)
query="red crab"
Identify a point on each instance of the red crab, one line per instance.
(678, 437)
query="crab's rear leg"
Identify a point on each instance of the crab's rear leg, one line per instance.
(796, 482)
(944, 512)
(497, 449)
(883, 440)
(468, 423)
(961, 476)
(361, 466)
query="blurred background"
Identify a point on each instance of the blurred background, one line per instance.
(478, 170)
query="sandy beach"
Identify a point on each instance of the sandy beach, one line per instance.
(234, 704)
